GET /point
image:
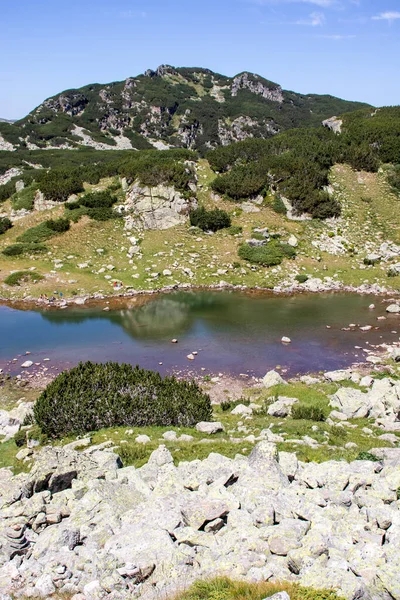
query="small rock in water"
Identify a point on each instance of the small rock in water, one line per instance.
(27, 364)
(371, 306)
(286, 340)
(174, 341)
(366, 328)
(190, 357)
(393, 308)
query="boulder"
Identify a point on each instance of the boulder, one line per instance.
(340, 375)
(242, 409)
(282, 407)
(393, 308)
(209, 427)
(272, 378)
(351, 402)
(159, 207)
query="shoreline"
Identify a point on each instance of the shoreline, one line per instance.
(99, 300)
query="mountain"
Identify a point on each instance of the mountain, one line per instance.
(186, 107)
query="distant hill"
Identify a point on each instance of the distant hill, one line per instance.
(180, 107)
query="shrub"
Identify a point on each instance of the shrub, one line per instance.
(5, 224)
(367, 456)
(23, 277)
(58, 225)
(102, 214)
(279, 206)
(92, 396)
(19, 249)
(20, 438)
(209, 220)
(301, 278)
(7, 190)
(44, 231)
(308, 412)
(269, 255)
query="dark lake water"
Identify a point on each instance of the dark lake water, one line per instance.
(232, 332)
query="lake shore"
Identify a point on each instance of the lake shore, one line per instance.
(110, 301)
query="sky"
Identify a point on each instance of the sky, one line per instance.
(346, 48)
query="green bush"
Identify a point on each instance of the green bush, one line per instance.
(269, 255)
(23, 277)
(20, 438)
(44, 231)
(92, 396)
(301, 278)
(279, 206)
(102, 214)
(58, 225)
(209, 220)
(5, 224)
(7, 190)
(20, 249)
(308, 412)
(367, 456)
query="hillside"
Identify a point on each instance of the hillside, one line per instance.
(187, 107)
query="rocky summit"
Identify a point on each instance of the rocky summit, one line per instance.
(167, 107)
(82, 525)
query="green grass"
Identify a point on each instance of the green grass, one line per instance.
(223, 588)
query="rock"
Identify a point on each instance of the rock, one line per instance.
(170, 436)
(293, 241)
(202, 511)
(279, 596)
(286, 340)
(44, 586)
(308, 380)
(272, 378)
(282, 407)
(190, 356)
(142, 439)
(27, 364)
(352, 403)
(24, 453)
(395, 354)
(158, 207)
(341, 375)
(366, 381)
(209, 427)
(241, 409)
(393, 308)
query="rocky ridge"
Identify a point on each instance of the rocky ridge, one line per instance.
(190, 107)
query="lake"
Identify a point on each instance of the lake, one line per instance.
(232, 332)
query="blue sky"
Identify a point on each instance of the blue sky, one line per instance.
(347, 48)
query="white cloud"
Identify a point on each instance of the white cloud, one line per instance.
(316, 19)
(387, 16)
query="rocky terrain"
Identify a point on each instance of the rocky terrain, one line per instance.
(81, 523)
(193, 108)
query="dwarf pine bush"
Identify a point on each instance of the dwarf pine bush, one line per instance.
(92, 396)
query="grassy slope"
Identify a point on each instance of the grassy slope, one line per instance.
(369, 214)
